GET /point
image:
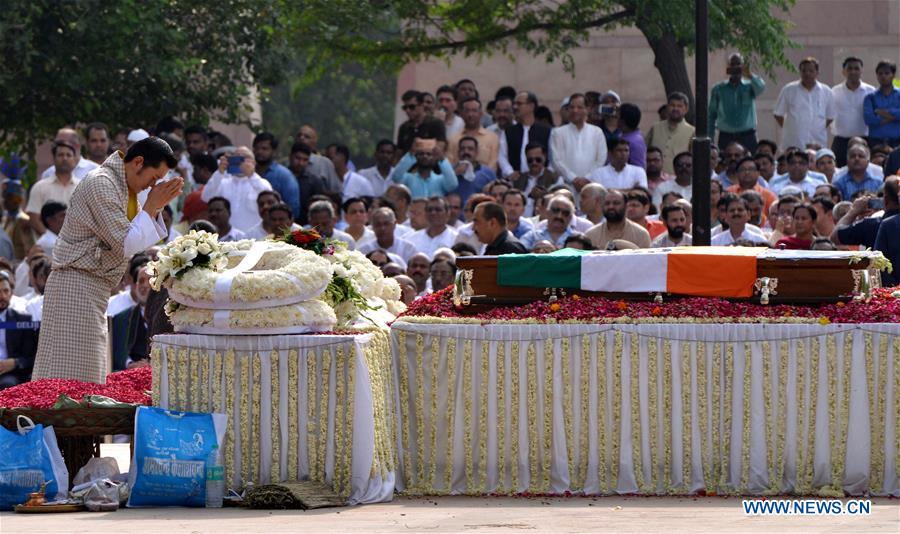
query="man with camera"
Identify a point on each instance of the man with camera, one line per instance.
(732, 105)
(865, 230)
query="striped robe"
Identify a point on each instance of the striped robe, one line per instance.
(88, 262)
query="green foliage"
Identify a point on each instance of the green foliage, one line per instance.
(131, 62)
(346, 104)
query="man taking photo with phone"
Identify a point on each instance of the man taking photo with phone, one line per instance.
(867, 222)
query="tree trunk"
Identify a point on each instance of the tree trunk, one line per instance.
(670, 62)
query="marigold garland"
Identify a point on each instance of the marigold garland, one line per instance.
(156, 374)
(275, 472)
(584, 373)
(812, 444)
(616, 419)
(686, 422)
(501, 418)
(230, 432)
(768, 414)
(801, 363)
(254, 423)
(324, 402)
(312, 430)
(547, 451)
(183, 370)
(293, 471)
(403, 364)
(716, 371)
(703, 384)
(467, 415)
(876, 470)
(604, 464)
(451, 406)
(652, 414)
(531, 362)
(245, 420)
(745, 438)
(727, 410)
(482, 417)
(194, 385)
(432, 420)
(567, 414)
(339, 410)
(781, 418)
(636, 413)
(204, 381)
(667, 417)
(833, 422)
(514, 416)
(896, 366)
(419, 484)
(172, 377)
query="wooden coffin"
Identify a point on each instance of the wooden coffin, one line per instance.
(802, 279)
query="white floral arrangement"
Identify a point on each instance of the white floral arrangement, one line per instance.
(309, 316)
(186, 254)
(283, 275)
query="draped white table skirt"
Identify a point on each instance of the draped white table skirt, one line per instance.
(298, 407)
(654, 409)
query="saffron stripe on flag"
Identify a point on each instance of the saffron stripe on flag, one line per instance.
(713, 271)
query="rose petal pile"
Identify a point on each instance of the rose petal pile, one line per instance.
(130, 386)
(883, 307)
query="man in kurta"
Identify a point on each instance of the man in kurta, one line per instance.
(104, 227)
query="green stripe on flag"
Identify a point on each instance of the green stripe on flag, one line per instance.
(558, 269)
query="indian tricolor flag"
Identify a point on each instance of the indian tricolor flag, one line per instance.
(698, 271)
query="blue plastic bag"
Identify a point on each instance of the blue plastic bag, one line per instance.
(28, 458)
(170, 454)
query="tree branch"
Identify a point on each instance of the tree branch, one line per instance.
(450, 45)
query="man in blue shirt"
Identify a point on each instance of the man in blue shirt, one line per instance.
(881, 109)
(857, 177)
(424, 182)
(281, 178)
(472, 176)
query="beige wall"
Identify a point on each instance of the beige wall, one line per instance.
(622, 61)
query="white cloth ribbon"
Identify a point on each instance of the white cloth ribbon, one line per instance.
(222, 291)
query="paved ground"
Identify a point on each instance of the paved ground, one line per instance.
(466, 514)
(461, 514)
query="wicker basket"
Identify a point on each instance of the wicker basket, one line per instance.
(79, 431)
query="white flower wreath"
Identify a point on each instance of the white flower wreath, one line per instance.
(258, 275)
(310, 316)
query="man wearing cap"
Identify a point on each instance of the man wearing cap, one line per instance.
(82, 165)
(58, 187)
(104, 227)
(825, 163)
(136, 135)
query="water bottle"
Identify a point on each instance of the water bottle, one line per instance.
(215, 479)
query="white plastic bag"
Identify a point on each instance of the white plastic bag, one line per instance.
(96, 469)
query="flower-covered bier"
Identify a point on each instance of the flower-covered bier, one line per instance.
(196, 249)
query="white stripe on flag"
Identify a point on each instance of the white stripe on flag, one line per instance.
(624, 271)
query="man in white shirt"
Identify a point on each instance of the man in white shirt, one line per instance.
(53, 215)
(805, 108)
(683, 182)
(70, 137)
(379, 175)
(353, 184)
(738, 215)
(322, 218)
(577, 149)
(448, 102)
(676, 235)
(618, 173)
(241, 189)
(58, 187)
(384, 225)
(437, 234)
(264, 201)
(219, 214)
(848, 109)
(797, 175)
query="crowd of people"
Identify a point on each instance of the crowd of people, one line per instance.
(466, 176)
